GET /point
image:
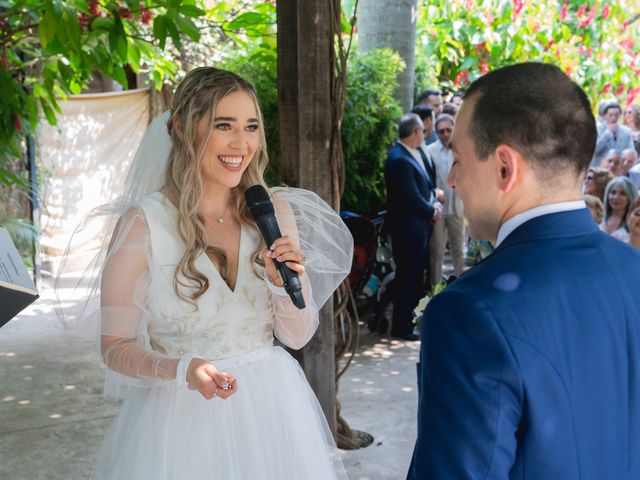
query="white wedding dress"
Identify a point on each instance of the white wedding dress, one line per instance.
(271, 428)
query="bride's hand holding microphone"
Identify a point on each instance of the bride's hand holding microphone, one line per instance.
(283, 250)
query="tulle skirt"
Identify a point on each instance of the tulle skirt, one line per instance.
(271, 428)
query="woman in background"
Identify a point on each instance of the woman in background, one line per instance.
(618, 196)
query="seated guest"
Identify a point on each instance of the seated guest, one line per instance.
(596, 207)
(595, 181)
(613, 162)
(613, 136)
(633, 223)
(631, 164)
(618, 196)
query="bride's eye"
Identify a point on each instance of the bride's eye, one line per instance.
(252, 128)
(223, 126)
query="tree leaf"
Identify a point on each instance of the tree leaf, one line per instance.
(191, 11)
(248, 20)
(160, 29)
(189, 28)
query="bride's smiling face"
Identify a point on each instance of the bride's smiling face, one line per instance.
(234, 140)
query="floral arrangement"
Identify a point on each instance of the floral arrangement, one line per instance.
(424, 301)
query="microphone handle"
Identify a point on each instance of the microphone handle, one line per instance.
(270, 231)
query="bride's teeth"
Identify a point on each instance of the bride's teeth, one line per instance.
(234, 161)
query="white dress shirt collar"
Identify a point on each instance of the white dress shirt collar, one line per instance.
(514, 222)
(416, 156)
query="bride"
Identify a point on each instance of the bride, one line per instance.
(190, 302)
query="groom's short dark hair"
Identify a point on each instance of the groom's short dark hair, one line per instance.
(536, 109)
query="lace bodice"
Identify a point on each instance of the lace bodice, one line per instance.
(146, 328)
(227, 322)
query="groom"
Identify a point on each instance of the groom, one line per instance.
(530, 362)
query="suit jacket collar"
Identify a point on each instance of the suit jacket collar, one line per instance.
(566, 224)
(422, 168)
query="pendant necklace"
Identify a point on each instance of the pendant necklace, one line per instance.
(220, 219)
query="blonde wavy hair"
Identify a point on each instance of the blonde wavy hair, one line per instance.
(197, 97)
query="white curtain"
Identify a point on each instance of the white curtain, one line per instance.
(84, 160)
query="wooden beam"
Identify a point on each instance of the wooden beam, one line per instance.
(304, 106)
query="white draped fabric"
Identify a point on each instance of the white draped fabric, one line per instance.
(85, 159)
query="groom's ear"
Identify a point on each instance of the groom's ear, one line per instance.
(509, 165)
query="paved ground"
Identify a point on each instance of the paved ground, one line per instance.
(53, 415)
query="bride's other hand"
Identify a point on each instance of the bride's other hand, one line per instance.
(285, 251)
(206, 379)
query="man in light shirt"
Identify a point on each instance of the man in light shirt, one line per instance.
(529, 360)
(451, 227)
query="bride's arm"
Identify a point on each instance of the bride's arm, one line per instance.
(293, 327)
(123, 288)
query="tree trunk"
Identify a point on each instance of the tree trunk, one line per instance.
(391, 24)
(304, 80)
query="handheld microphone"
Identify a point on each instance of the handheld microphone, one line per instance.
(263, 213)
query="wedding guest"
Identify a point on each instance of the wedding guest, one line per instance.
(618, 196)
(632, 121)
(612, 161)
(595, 206)
(633, 223)
(612, 136)
(595, 182)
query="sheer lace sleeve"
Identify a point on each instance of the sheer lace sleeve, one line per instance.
(293, 327)
(123, 319)
(326, 243)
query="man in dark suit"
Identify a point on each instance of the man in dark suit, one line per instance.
(529, 362)
(411, 213)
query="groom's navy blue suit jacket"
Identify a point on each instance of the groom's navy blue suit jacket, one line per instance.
(530, 362)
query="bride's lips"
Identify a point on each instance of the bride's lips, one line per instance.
(233, 163)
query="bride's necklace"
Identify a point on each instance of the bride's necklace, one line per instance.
(220, 219)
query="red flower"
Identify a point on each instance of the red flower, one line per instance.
(590, 52)
(17, 123)
(480, 47)
(606, 89)
(550, 44)
(619, 90)
(606, 11)
(518, 5)
(94, 8)
(84, 19)
(624, 26)
(124, 12)
(463, 76)
(568, 71)
(563, 12)
(627, 44)
(581, 10)
(145, 14)
(484, 68)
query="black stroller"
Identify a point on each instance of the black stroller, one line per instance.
(372, 271)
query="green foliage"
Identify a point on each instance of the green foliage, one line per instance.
(594, 41)
(50, 49)
(369, 126)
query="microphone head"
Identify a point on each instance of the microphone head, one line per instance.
(258, 201)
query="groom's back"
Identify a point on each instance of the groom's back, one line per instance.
(569, 309)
